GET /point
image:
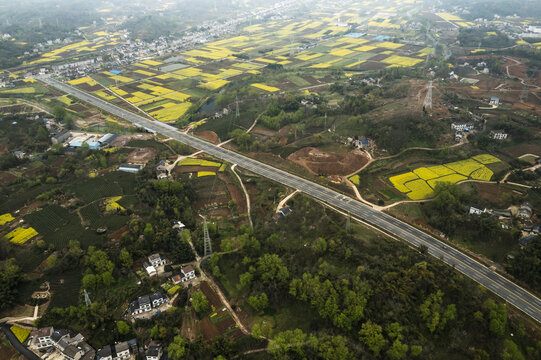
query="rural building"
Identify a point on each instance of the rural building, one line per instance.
(477, 210)
(188, 272)
(494, 101)
(178, 225)
(526, 240)
(156, 260)
(177, 279)
(151, 270)
(462, 127)
(498, 135)
(91, 141)
(146, 303)
(60, 137)
(161, 170)
(19, 154)
(122, 351)
(283, 212)
(41, 338)
(142, 304)
(154, 351)
(106, 139)
(525, 211)
(158, 298)
(105, 353)
(72, 346)
(131, 168)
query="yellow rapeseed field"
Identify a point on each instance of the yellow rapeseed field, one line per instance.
(265, 87)
(419, 189)
(399, 180)
(6, 218)
(21, 235)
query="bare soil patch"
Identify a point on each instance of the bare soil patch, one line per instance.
(522, 149)
(211, 296)
(235, 192)
(210, 136)
(6, 177)
(194, 168)
(208, 330)
(141, 155)
(321, 162)
(122, 140)
(491, 192)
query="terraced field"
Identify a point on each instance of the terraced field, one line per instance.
(419, 183)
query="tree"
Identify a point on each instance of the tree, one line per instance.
(107, 278)
(222, 345)
(177, 349)
(125, 258)
(497, 317)
(59, 112)
(335, 348)
(9, 280)
(200, 302)
(289, 341)
(100, 263)
(272, 269)
(371, 335)
(397, 351)
(241, 138)
(245, 280)
(262, 328)
(90, 281)
(433, 314)
(123, 327)
(511, 351)
(259, 303)
(183, 252)
(42, 134)
(416, 350)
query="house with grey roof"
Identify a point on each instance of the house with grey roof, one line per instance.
(41, 338)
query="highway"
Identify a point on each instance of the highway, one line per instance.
(501, 286)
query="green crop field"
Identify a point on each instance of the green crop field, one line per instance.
(58, 226)
(111, 184)
(95, 217)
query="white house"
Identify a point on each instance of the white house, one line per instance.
(477, 210)
(158, 298)
(498, 135)
(462, 127)
(494, 101)
(156, 260)
(151, 270)
(142, 304)
(154, 351)
(122, 351)
(188, 272)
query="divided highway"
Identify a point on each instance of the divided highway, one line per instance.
(506, 289)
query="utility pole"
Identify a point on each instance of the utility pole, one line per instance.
(237, 105)
(206, 238)
(87, 298)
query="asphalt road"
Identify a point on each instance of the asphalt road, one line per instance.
(506, 289)
(17, 344)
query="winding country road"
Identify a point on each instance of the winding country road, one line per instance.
(499, 285)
